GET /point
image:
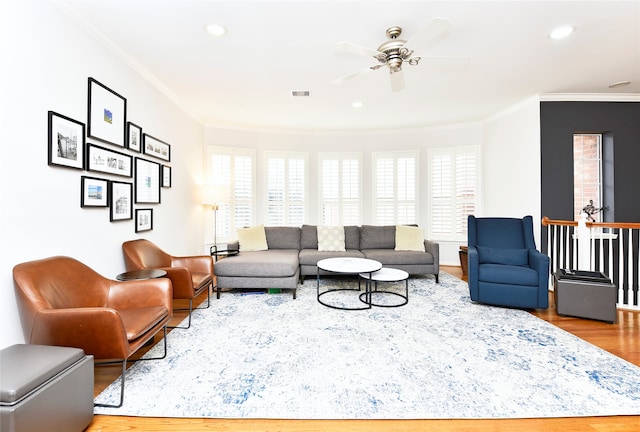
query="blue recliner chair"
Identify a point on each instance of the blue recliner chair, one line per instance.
(505, 269)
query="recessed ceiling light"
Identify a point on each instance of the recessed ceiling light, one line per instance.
(561, 32)
(620, 84)
(216, 30)
(357, 104)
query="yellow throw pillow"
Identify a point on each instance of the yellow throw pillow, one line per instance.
(252, 239)
(409, 238)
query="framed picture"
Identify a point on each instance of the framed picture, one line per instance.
(166, 176)
(156, 148)
(134, 137)
(144, 220)
(108, 161)
(94, 192)
(66, 141)
(147, 182)
(121, 201)
(107, 114)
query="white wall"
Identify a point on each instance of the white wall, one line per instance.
(366, 142)
(511, 164)
(46, 61)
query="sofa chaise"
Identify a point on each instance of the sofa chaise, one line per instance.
(291, 253)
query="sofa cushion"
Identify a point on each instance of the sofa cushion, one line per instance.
(312, 256)
(515, 257)
(352, 237)
(271, 263)
(409, 238)
(252, 239)
(283, 237)
(393, 257)
(331, 238)
(377, 237)
(507, 274)
(309, 237)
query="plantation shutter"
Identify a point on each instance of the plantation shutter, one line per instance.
(340, 189)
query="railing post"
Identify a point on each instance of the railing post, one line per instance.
(584, 244)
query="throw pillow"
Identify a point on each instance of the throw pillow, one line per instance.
(409, 238)
(331, 238)
(252, 239)
(514, 257)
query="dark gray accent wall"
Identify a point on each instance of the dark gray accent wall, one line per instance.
(621, 122)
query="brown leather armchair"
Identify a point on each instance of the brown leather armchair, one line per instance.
(63, 302)
(190, 275)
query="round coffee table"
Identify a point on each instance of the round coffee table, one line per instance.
(386, 275)
(347, 266)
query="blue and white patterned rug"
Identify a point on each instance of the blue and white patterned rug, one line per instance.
(439, 356)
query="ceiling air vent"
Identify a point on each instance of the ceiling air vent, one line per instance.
(300, 93)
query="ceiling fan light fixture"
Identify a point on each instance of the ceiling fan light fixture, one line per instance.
(216, 30)
(561, 32)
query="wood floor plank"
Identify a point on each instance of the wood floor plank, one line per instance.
(621, 339)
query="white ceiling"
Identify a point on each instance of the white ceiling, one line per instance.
(245, 78)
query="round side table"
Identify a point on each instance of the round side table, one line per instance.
(387, 275)
(141, 274)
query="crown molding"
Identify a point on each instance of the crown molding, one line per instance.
(590, 97)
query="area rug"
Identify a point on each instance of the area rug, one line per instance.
(439, 356)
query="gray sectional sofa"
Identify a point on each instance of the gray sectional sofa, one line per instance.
(293, 254)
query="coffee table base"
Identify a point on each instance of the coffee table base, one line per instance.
(347, 266)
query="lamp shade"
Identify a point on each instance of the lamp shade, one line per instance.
(215, 194)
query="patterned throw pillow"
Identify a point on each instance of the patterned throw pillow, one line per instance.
(252, 239)
(331, 238)
(409, 238)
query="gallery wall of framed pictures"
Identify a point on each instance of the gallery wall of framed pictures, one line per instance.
(112, 148)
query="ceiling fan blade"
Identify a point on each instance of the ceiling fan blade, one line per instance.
(397, 81)
(351, 76)
(349, 47)
(431, 34)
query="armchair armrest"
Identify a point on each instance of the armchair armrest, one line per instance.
(197, 264)
(473, 266)
(141, 293)
(99, 331)
(540, 263)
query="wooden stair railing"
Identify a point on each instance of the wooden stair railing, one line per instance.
(612, 248)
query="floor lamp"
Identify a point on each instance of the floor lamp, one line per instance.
(213, 196)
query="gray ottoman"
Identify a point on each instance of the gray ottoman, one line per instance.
(45, 388)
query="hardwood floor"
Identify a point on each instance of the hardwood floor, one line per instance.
(621, 339)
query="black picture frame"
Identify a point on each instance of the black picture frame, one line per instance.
(104, 160)
(147, 181)
(107, 114)
(66, 141)
(166, 176)
(134, 137)
(144, 220)
(94, 192)
(120, 201)
(156, 148)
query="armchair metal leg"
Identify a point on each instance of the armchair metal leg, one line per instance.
(124, 371)
(191, 308)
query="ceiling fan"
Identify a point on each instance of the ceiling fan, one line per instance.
(396, 52)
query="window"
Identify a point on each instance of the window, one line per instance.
(286, 185)
(587, 172)
(234, 168)
(454, 191)
(340, 186)
(395, 185)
